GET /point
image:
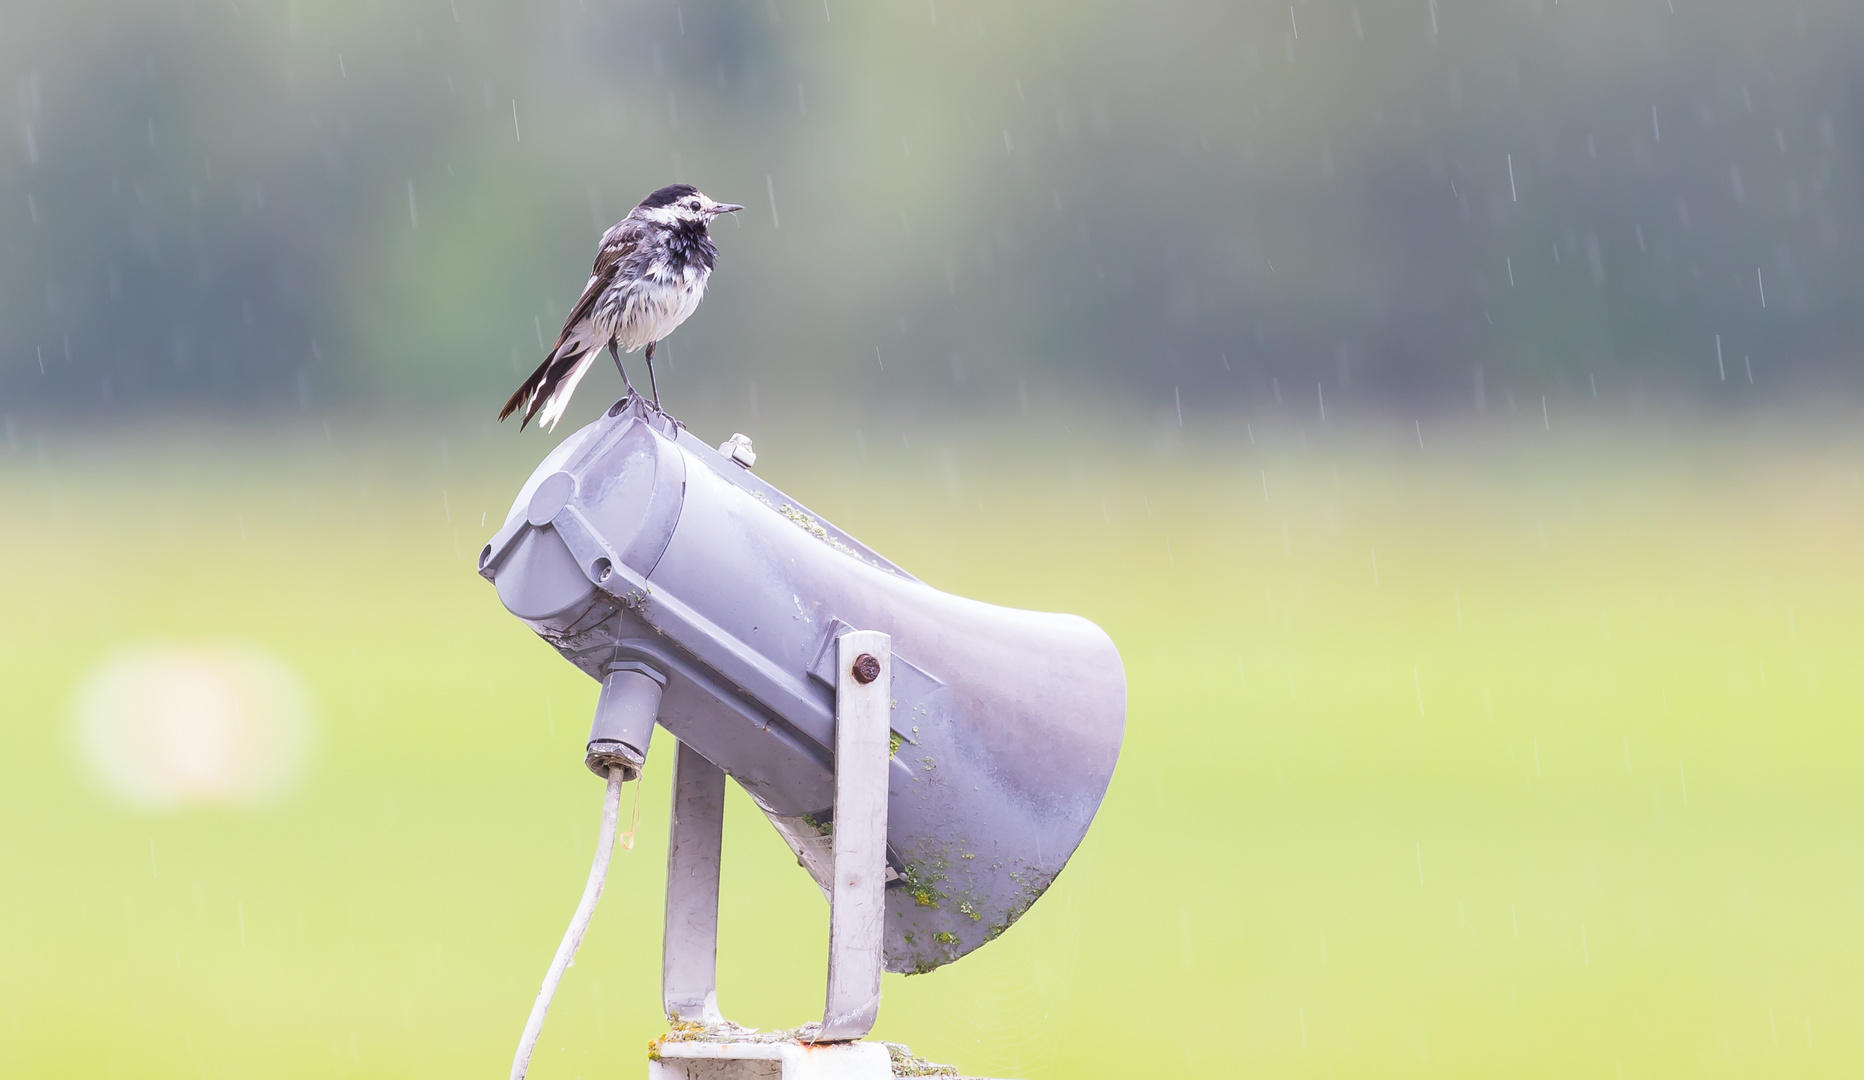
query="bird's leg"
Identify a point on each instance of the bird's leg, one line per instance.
(618, 367)
(651, 383)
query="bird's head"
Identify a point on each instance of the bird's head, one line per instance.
(681, 204)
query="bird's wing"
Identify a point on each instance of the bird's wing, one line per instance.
(617, 244)
(554, 373)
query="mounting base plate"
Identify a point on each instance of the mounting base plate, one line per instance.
(771, 1061)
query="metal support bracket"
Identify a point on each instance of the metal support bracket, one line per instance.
(689, 951)
(857, 898)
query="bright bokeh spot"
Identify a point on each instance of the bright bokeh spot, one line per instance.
(169, 726)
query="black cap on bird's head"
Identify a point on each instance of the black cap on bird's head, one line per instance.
(677, 202)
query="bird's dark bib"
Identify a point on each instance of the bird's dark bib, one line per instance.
(690, 243)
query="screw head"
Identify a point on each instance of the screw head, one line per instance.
(866, 668)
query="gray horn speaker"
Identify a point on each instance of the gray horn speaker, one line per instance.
(704, 598)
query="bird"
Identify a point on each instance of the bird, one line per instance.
(649, 275)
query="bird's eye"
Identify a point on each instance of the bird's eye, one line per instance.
(693, 203)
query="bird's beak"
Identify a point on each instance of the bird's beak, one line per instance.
(724, 208)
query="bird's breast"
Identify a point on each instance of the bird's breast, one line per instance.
(649, 307)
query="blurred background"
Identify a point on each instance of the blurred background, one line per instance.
(1449, 409)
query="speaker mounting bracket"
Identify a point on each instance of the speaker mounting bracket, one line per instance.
(857, 900)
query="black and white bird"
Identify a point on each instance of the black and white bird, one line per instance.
(649, 276)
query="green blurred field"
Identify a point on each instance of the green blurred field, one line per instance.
(1517, 753)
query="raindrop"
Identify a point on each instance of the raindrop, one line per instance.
(770, 186)
(519, 135)
(1512, 194)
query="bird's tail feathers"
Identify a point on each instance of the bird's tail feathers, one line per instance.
(557, 399)
(548, 389)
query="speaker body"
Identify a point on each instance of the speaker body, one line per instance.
(635, 545)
